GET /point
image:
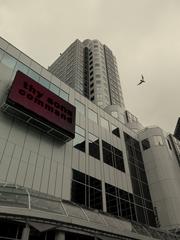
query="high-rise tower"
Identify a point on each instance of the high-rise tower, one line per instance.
(90, 68)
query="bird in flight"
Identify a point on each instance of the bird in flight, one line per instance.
(141, 80)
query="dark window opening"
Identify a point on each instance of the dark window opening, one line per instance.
(86, 190)
(116, 132)
(94, 146)
(92, 98)
(145, 144)
(113, 156)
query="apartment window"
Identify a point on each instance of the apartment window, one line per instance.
(92, 78)
(97, 64)
(92, 98)
(79, 140)
(91, 68)
(80, 107)
(104, 123)
(86, 190)
(94, 146)
(157, 140)
(91, 73)
(115, 131)
(92, 115)
(92, 91)
(91, 85)
(145, 144)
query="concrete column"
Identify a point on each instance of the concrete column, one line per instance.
(60, 235)
(25, 233)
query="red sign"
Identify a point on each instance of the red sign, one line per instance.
(31, 97)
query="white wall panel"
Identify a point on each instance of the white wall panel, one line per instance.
(4, 166)
(75, 159)
(13, 169)
(38, 173)
(45, 175)
(66, 190)
(82, 162)
(52, 177)
(21, 173)
(59, 179)
(30, 170)
(5, 125)
(68, 154)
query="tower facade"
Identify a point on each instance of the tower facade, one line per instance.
(90, 68)
(69, 169)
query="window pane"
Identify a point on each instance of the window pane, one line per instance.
(21, 67)
(35, 76)
(80, 107)
(76, 189)
(92, 115)
(44, 82)
(64, 95)
(9, 61)
(115, 130)
(79, 140)
(145, 144)
(54, 89)
(94, 146)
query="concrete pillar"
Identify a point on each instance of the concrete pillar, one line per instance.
(60, 235)
(25, 233)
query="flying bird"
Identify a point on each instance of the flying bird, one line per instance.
(141, 80)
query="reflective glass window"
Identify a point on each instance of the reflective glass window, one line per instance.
(9, 61)
(54, 89)
(90, 190)
(35, 76)
(94, 146)
(92, 115)
(21, 67)
(104, 123)
(64, 95)
(44, 82)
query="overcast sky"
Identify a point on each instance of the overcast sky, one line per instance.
(144, 35)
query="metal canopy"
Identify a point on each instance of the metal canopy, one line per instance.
(106, 238)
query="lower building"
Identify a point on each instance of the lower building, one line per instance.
(70, 170)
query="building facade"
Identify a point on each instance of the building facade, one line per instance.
(177, 130)
(80, 177)
(91, 69)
